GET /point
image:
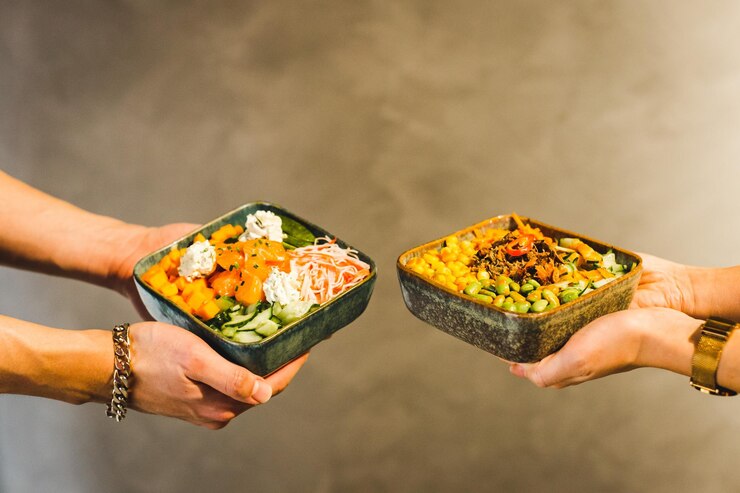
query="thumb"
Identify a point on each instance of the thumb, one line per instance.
(551, 371)
(231, 380)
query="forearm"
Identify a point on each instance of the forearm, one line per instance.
(67, 365)
(716, 292)
(48, 235)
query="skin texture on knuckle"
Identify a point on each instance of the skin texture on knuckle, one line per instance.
(240, 384)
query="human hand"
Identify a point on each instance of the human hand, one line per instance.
(176, 374)
(136, 242)
(664, 284)
(618, 342)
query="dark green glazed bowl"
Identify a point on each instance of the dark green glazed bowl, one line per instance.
(516, 337)
(293, 340)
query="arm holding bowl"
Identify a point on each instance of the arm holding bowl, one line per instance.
(659, 330)
(175, 373)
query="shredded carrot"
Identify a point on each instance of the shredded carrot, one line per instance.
(324, 269)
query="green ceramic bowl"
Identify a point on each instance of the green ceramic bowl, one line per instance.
(515, 337)
(271, 353)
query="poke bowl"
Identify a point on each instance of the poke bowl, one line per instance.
(516, 287)
(259, 284)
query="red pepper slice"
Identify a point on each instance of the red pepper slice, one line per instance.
(520, 246)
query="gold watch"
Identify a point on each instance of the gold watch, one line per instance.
(714, 334)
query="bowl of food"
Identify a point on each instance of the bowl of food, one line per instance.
(259, 284)
(516, 287)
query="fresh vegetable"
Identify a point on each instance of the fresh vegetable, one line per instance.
(519, 246)
(232, 270)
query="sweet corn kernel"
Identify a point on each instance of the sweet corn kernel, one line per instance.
(451, 240)
(483, 274)
(441, 278)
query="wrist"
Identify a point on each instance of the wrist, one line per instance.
(667, 339)
(113, 251)
(73, 366)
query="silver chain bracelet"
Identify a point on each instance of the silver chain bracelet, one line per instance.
(121, 373)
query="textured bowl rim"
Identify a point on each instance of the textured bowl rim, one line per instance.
(401, 265)
(286, 328)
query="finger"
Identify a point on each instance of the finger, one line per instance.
(281, 378)
(232, 380)
(174, 231)
(556, 370)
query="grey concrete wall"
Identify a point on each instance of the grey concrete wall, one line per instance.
(389, 123)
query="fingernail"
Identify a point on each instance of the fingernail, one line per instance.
(261, 392)
(516, 370)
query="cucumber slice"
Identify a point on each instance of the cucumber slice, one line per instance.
(602, 282)
(259, 319)
(293, 311)
(267, 328)
(225, 302)
(228, 331)
(238, 320)
(247, 336)
(608, 260)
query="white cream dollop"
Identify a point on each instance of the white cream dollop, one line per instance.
(199, 260)
(281, 287)
(263, 224)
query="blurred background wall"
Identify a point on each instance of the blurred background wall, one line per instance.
(390, 124)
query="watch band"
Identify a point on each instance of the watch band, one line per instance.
(708, 350)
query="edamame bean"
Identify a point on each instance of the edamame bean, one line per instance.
(534, 283)
(517, 297)
(487, 292)
(535, 295)
(514, 286)
(522, 306)
(568, 295)
(472, 288)
(499, 300)
(550, 297)
(539, 306)
(483, 297)
(502, 287)
(506, 305)
(526, 288)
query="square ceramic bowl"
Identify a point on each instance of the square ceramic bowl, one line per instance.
(516, 337)
(271, 353)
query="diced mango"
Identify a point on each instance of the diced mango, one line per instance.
(174, 255)
(209, 293)
(168, 289)
(196, 300)
(179, 301)
(208, 310)
(180, 282)
(166, 263)
(158, 280)
(199, 237)
(188, 290)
